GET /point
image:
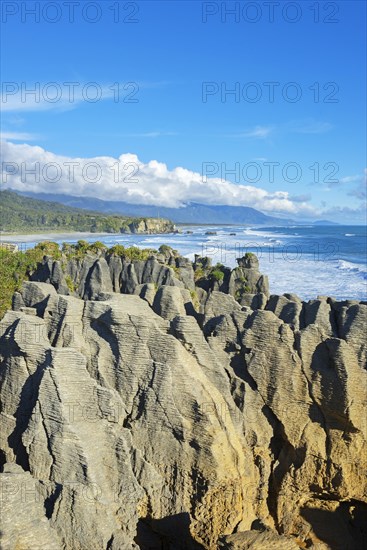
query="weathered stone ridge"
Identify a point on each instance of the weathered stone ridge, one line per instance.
(157, 412)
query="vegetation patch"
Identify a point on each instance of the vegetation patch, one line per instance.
(217, 275)
(16, 267)
(19, 213)
(199, 274)
(70, 283)
(176, 270)
(135, 253)
(165, 249)
(195, 299)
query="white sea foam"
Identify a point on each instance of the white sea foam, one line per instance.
(254, 233)
(309, 278)
(359, 269)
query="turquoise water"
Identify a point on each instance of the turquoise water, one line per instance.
(306, 260)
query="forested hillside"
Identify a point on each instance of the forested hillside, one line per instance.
(19, 213)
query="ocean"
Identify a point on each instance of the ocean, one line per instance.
(305, 260)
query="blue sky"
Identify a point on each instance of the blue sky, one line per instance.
(169, 53)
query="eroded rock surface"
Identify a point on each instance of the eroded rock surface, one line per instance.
(104, 272)
(152, 419)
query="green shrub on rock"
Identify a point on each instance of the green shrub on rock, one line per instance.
(49, 248)
(164, 249)
(70, 283)
(199, 274)
(176, 270)
(16, 267)
(97, 246)
(217, 275)
(117, 250)
(195, 299)
(134, 253)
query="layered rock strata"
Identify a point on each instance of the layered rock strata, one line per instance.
(105, 272)
(155, 418)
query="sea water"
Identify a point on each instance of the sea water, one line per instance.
(306, 260)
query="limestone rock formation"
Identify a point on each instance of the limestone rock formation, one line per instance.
(103, 272)
(147, 412)
(151, 225)
(23, 520)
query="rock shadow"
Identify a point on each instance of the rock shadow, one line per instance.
(168, 533)
(342, 529)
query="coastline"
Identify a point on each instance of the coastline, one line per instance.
(28, 237)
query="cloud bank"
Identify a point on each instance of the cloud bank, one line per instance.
(31, 168)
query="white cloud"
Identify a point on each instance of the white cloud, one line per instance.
(361, 190)
(258, 132)
(31, 168)
(151, 134)
(315, 128)
(308, 126)
(300, 198)
(353, 179)
(46, 96)
(18, 136)
(346, 214)
(356, 183)
(37, 96)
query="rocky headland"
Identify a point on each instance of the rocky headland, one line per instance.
(155, 403)
(19, 214)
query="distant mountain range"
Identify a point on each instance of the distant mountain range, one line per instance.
(193, 213)
(325, 222)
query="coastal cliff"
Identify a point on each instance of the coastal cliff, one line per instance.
(150, 226)
(156, 403)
